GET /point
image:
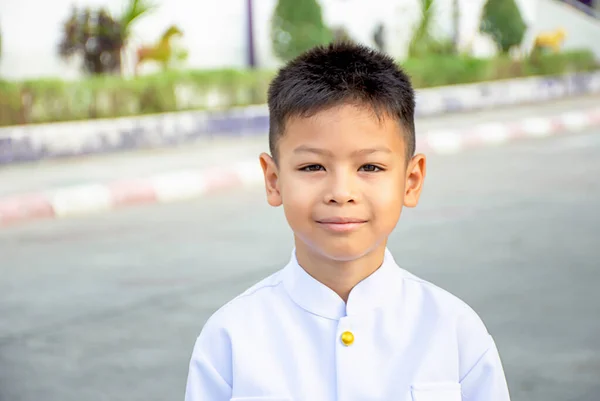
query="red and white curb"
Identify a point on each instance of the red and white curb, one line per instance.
(499, 132)
(96, 198)
(189, 184)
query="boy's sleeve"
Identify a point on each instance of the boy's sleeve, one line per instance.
(209, 376)
(486, 381)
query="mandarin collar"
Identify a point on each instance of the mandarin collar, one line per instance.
(373, 292)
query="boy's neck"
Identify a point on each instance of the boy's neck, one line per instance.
(340, 277)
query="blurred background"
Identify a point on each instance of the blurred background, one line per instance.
(131, 205)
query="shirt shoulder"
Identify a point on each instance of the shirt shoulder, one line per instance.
(214, 344)
(439, 300)
(452, 314)
(246, 304)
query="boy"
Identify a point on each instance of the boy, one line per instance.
(341, 321)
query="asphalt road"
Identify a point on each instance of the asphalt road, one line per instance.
(107, 307)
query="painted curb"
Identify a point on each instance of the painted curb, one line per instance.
(190, 184)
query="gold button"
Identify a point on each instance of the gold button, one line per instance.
(347, 338)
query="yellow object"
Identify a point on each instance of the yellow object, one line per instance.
(552, 39)
(161, 52)
(347, 338)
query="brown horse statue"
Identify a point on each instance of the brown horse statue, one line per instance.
(160, 52)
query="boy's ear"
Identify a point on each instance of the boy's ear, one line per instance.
(415, 176)
(271, 174)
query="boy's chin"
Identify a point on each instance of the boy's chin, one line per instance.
(343, 255)
(343, 252)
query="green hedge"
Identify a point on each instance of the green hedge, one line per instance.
(54, 100)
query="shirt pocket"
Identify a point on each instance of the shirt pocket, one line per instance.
(436, 391)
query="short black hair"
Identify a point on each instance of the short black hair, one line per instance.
(340, 73)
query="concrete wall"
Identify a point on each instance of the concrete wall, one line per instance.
(583, 31)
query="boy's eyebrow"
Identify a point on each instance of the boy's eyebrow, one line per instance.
(308, 149)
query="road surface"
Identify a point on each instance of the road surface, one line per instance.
(107, 307)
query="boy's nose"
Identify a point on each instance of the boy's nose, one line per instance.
(341, 190)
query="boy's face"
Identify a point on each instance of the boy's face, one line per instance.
(342, 178)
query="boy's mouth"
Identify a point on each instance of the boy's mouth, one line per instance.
(341, 224)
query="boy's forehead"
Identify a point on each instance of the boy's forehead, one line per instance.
(343, 126)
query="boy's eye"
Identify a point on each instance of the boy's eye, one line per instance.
(370, 168)
(313, 167)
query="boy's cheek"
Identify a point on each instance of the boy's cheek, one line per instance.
(298, 195)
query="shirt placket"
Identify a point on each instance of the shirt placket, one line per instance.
(348, 357)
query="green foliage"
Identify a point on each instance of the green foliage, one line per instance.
(99, 37)
(502, 20)
(296, 27)
(439, 70)
(111, 96)
(96, 36)
(134, 9)
(11, 106)
(423, 42)
(422, 36)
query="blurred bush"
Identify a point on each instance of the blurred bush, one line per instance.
(423, 43)
(96, 36)
(297, 26)
(502, 20)
(110, 96)
(99, 37)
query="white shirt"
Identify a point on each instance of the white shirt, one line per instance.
(281, 340)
